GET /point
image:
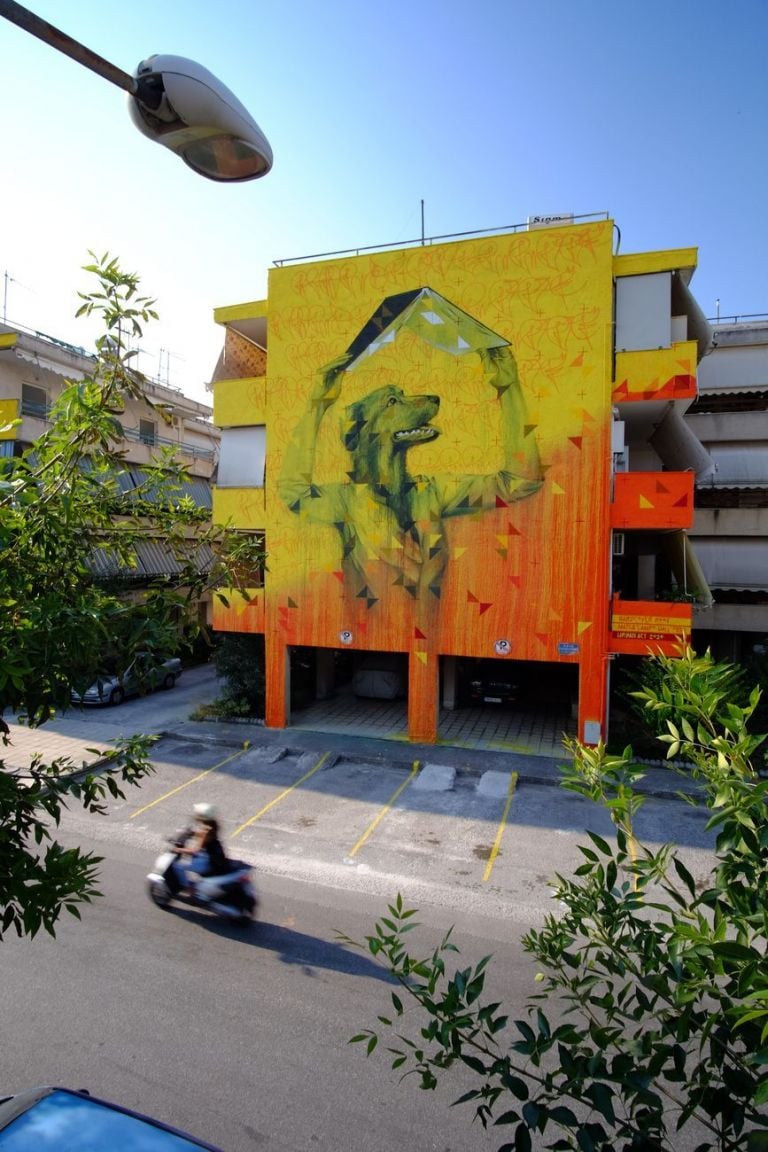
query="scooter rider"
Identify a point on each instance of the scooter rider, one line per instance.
(204, 852)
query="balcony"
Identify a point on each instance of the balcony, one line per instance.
(638, 627)
(652, 500)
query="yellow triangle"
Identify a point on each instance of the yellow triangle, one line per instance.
(421, 656)
(557, 490)
(503, 540)
(645, 503)
(582, 626)
(435, 538)
(458, 552)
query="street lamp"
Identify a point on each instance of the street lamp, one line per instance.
(175, 102)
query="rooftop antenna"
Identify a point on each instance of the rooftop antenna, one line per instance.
(717, 308)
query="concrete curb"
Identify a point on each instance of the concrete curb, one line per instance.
(531, 770)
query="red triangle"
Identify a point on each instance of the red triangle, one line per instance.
(661, 487)
(516, 580)
(339, 576)
(514, 531)
(484, 608)
(472, 598)
(681, 503)
(575, 440)
(542, 636)
(501, 503)
(418, 634)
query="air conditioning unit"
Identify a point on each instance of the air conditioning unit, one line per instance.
(618, 544)
(175, 422)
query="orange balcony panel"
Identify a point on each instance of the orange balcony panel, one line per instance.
(638, 627)
(235, 613)
(656, 374)
(652, 500)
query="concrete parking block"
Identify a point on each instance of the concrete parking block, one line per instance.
(435, 778)
(494, 784)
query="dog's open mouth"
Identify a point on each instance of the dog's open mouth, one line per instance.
(411, 435)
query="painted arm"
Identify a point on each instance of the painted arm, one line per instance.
(296, 483)
(520, 474)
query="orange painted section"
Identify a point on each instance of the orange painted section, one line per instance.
(652, 500)
(642, 626)
(238, 614)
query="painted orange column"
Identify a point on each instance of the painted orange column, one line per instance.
(593, 698)
(278, 687)
(423, 697)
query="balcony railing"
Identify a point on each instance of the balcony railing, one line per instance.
(43, 411)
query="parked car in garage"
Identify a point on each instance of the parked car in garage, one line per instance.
(489, 682)
(145, 673)
(381, 676)
(71, 1121)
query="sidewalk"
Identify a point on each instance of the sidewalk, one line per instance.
(83, 741)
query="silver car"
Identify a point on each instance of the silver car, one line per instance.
(143, 674)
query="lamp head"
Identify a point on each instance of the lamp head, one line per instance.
(181, 105)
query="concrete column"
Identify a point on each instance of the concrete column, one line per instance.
(278, 690)
(449, 682)
(646, 577)
(325, 679)
(423, 697)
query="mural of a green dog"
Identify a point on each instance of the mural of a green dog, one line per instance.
(383, 513)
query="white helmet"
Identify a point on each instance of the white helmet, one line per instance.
(205, 811)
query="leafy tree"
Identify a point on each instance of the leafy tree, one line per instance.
(61, 508)
(239, 659)
(660, 988)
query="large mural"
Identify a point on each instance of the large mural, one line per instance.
(438, 448)
(392, 520)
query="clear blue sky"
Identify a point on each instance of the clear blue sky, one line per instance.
(488, 111)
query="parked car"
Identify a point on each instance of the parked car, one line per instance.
(381, 676)
(489, 682)
(143, 674)
(69, 1121)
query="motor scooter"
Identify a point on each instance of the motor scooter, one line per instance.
(230, 895)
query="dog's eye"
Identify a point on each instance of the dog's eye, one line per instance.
(392, 400)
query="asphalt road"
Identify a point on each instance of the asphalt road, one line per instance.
(240, 1036)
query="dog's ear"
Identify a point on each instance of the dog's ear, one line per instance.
(354, 423)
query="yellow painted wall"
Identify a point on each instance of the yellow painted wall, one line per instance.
(9, 410)
(527, 574)
(239, 403)
(242, 508)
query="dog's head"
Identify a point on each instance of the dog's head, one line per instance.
(390, 417)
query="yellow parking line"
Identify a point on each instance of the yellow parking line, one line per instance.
(277, 799)
(502, 824)
(181, 787)
(385, 809)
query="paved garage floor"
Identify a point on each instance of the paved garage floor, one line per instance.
(532, 731)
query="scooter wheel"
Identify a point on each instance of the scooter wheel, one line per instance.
(159, 894)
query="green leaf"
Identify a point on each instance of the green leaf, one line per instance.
(600, 843)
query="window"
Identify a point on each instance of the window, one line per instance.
(242, 456)
(643, 311)
(147, 432)
(34, 401)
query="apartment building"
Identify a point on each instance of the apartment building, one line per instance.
(34, 368)
(730, 529)
(462, 452)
